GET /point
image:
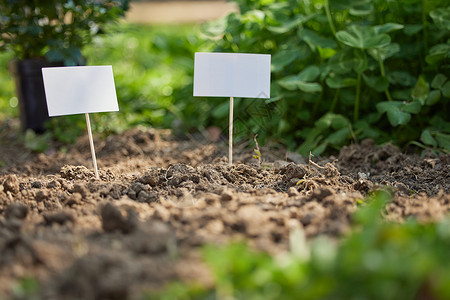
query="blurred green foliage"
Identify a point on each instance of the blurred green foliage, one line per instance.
(345, 70)
(379, 260)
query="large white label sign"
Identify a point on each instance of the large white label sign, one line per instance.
(232, 75)
(77, 90)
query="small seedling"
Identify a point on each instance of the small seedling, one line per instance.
(257, 154)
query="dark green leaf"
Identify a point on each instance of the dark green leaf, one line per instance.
(443, 140)
(438, 81)
(337, 82)
(397, 117)
(379, 84)
(413, 29)
(428, 139)
(339, 137)
(386, 106)
(413, 107)
(283, 58)
(446, 89)
(438, 53)
(433, 97)
(420, 90)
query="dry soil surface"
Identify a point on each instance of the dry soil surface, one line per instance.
(159, 199)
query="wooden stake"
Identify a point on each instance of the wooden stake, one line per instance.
(230, 141)
(91, 143)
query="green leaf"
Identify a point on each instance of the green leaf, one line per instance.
(313, 39)
(289, 82)
(309, 74)
(385, 52)
(326, 53)
(433, 97)
(309, 87)
(402, 78)
(363, 37)
(420, 90)
(386, 106)
(282, 59)
(428, 139)
(438, 53)
(446, 89)
(378, 83)
(412, 29)
(388, 27)
(413, 107)
(339, 137)
(290, 24)
(336, 121)
(397, 117)
(443, 140)
(337, 82)
(438, 81)
(441, 17)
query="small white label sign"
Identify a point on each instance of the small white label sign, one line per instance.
(78, 90)
(232, 75)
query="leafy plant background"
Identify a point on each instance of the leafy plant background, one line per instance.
(349, 70)
(342, 71)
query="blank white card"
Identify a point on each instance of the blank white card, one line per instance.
(78, 90)
(232, 75)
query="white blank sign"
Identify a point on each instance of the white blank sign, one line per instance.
(232, 75)
(78, 90)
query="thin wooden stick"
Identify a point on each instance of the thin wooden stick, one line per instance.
(91, 143)
(230, 141)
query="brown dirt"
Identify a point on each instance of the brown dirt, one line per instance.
(159, 199)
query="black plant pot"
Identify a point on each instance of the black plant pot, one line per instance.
(30, 92)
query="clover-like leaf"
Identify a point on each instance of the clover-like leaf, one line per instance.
(441, 17)
(427, 138)
(388, 27)
(397, 117)
(363, 37)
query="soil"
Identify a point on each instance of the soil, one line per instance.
(160, 198)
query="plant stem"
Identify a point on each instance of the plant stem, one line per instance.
(335, 99)
(383, 73)
(330, 20)
(424, 24)
(358, 94)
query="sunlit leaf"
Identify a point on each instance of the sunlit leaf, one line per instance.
(441, 17)
(420, 90)
(309, 87)
(388, 27)
(363, 37)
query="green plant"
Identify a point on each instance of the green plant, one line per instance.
(58, 29)
(379, 260)
(344, 70)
